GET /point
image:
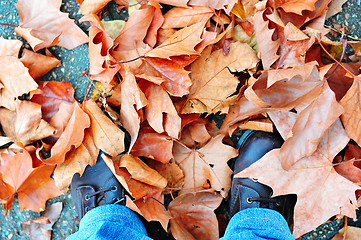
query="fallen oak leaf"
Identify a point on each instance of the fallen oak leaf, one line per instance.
(205, 166)
(193, 216)
(313, 179)
(107, 136)
(43, 25)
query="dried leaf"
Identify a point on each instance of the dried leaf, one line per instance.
(179, 17)
(9, 47)
(193, 216)
(206, 166)
(107, 136)
(313, 179)
(43, 25)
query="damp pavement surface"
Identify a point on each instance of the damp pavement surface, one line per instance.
(74, 65)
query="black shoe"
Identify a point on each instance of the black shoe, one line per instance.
(97, 186)
(246, 193)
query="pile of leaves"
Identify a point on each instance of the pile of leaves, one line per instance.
(158, 78)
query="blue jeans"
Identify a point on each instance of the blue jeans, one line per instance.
(119, 222)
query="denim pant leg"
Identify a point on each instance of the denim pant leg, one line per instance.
(257, 223)
(111, 222)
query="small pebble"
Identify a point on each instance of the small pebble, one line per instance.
(347, 16)
(10, 235)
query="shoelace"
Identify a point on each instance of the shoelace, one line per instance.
(260, 199)
(112, 188)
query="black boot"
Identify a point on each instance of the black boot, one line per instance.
(246, 193)
(97, 186)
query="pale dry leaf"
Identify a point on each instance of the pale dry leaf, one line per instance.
(107, 136)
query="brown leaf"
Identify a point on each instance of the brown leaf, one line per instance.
(43, 25)
(311, 125)
(76, 161)
(348, 233)
(153, 209)
(132, 99)
(107, 136)
(157, 22)
(153, 145)
(38, 64)
(141, 172)
(72, 135)
(161, 108)
(179, 17)
(227, 5)
(168, 73)
(53, 94)
(212, 80)
(193, 216)
(34, 186)
(9, 47)
(15, 78)
(99, 45)
(170, 171)
(26, 124)
(40, 228)
(92, 7)
(195, 131)
(181, 42)
(352, 105)
(206, 166)
(267, 47)
(313, 179)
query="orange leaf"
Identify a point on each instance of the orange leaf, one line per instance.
(212, 80)
(53, 93)
(181, 42)
(170, 73)
(179, 17)
(73, 134)
(193, 216)
(15, 78)
(311, 124)
(352, 105)
(141, 172)
(107, 136)
(208, 164)
(132, 100)
(76, 161)
(25, 125)
(9, 47)
(314, 180)
(153, 145)
(34, 186)
(38, 64)
(161, 108)
(43, 25)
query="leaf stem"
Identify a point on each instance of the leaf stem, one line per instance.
(324, 49)
(8, 24)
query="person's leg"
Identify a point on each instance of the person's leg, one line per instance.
(257, 223)
(110, 221)
(99, 200)
(255, 214)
